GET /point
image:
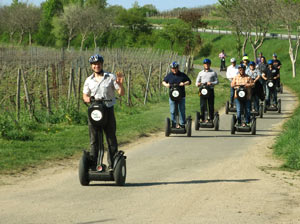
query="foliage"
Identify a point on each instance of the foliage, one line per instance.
(50, 9)
(194, 18)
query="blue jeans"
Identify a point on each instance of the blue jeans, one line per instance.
(270, 93)
(231, 95)
(243, 105)
(181, 111)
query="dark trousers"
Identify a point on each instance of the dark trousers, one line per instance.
(223, 66)
(210, 100)
(96, 138)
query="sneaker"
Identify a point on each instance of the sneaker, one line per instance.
(182, 126)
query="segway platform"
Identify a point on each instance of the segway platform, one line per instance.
(273, 108)
(185, 130)
(228, 108)
(215, 123)
(88, 172)
(239, 128)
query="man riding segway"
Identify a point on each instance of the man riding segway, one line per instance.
(206, 80)
(271, 76)
(98, 90)
(243, 101)
(176, 82)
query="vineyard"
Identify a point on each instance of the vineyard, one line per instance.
(41, 85)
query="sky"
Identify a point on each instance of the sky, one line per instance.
(161, 5)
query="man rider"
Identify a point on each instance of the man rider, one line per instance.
(232, 71)
(255, 76)
(277, 64)
(272, 74)
(210, 78)
(102, 85)
(181, 79)
(242, 80)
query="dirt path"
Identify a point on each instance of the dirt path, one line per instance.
(212, 177)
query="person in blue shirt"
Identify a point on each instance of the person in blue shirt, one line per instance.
(182, 80)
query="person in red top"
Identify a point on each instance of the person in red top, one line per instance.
(222, 56)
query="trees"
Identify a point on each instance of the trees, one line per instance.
(50, 9)
(193, 17)
(289, 13)
(228, 9)
(180, 32)
(248, 17)
(257, 17)
(70, 21)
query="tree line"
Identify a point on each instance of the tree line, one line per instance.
(258, 17)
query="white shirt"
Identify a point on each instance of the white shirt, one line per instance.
(232, 71)
(105, 89)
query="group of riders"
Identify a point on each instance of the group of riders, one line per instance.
(253, 76)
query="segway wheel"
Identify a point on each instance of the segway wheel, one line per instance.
(216, 122)
(197, 126)
(253, 127)
(227, 107)
(168, 127)
(281, 88)
(84, 170)
(120, 172)
(279, 106)
(233, 121)
(189, 127)
(261, 110)
(265, 106)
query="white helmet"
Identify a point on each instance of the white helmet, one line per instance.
(232, 60)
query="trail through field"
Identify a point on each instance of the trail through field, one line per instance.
(211, 177)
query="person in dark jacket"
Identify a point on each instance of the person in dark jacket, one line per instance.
(182, 80)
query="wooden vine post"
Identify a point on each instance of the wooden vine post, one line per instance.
(79, 88)
(18, 94)
(148, 84)
(27, 96)
(47, 91)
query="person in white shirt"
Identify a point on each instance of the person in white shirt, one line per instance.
(232, 71)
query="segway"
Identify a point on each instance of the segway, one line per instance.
(230, 107)
(205, 91)
(176, 96)
(260, 111)
(88, 169)
(280, 88)
(235, 127)
(271, 86)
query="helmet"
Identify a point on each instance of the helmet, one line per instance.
(252, 63)
(245, 58)
(274, 55)
(206, 61)
(174, 64)
(232, 60)
(242, 66)
(96, 58)
(245, 54)
(270, 62)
